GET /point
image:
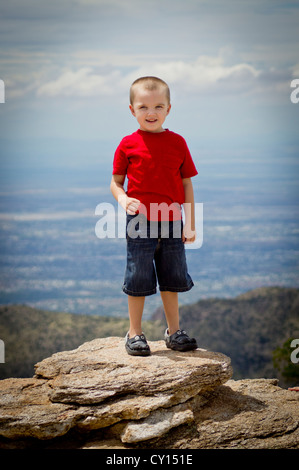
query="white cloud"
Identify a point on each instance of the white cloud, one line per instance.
(197, 76)
(89, 48)
(83, 82)
(203, 73)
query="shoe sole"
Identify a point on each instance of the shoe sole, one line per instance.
(139, 352)
(183, 347)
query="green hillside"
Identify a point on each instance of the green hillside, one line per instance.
(31, 335)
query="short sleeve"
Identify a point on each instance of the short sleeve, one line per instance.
(120, 161)
(188, 168)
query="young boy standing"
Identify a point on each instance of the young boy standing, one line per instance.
(159, 167)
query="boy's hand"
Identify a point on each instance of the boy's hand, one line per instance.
(132, 205)
(129, 204)
(188, 235)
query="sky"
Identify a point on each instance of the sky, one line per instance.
(67, 66)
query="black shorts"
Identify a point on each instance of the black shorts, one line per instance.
(155, 254)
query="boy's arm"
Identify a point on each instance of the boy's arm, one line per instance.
(129, 204)
(189, 233)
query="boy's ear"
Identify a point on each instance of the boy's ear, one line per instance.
(169, 108)
(132, 109)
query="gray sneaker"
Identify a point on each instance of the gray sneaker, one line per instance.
(137, 346)
(180, 341)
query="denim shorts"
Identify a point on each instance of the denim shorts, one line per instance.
(155, 253)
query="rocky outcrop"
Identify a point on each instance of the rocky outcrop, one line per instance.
(247, 414)
(113, 400)
(98, 385)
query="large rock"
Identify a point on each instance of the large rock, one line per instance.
(98, 385)
(117, 401)
(244, 414)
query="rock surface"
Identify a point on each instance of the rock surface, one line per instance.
(98, 397)
(98, 385)
(245, 414)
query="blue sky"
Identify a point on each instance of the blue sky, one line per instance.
(67, 66)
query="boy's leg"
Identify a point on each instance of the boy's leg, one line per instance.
(175, 338)
(171, 308)
(136, 305)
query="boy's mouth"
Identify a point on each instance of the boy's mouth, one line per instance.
(151, 120)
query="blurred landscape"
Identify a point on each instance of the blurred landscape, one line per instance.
(52, 259)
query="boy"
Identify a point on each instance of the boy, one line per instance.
(159, 167)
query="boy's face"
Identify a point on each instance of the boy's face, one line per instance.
(150, 107)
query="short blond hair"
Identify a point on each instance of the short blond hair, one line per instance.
(149, 83)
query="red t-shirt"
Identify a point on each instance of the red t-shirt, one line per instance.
(155, 164)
